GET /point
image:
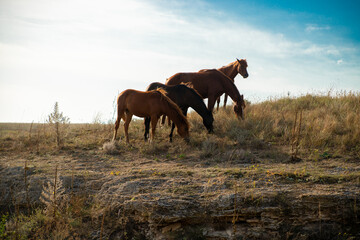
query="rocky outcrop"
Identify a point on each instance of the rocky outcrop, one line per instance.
(282, 213)
(153, 206)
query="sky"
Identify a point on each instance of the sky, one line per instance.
(83, 53)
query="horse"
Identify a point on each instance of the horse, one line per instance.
(211, 84)
(232, 70)
(184, 97)
(151, 104)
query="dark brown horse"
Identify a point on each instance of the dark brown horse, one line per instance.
(184, 97)
(211, 84)
(149, 104)
(232, 70)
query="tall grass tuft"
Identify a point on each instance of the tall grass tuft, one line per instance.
(295, 136)
(329, 123)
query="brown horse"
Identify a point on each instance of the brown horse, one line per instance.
(184, 97)
(211, 84)
(232, 70)
(149, 104)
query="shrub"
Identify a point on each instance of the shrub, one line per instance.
(58, 121)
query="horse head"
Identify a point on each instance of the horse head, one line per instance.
(208, 122)
(183, 131)
(242, 68)
(239, 108)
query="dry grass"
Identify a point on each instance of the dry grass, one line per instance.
(250, 158)
(328, 123)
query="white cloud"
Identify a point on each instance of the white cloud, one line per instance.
(314, 27)
(95, 49)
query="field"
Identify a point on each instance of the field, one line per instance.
(290, 170)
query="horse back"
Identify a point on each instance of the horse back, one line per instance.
(203, 82)
(155, 85)
(141, 104)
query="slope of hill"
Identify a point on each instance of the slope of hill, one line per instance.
(290, 170)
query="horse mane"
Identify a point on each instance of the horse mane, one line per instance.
(235, 62)
(161, 91)
(232, 63)
(205, 70)
(231, 82)
(190, 85)
(171, 104)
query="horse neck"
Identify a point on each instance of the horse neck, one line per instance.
(174, 114)
(230, 70)
(155, 85)
(230, 88)
(197, 103)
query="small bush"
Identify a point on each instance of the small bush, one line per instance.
(110, 147)
(59, 123)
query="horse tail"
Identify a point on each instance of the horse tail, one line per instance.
(120, 101)
(118, 117)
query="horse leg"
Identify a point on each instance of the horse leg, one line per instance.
(147, 128)
(169, 121)
(211, 103)
(163, 119)
(225, 100)
(172, 131)
(117, 123)
(126, 126)
(218, 103)
(154, 120)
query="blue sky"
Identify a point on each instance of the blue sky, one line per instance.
(83, 53)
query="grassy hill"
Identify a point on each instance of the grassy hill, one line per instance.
(289, 170)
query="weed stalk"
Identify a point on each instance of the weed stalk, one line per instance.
(72, 179)
(30, 131)
(54, 192)
(295, 138)
(320, 230)
(102, 225)
(26, 187)
(235, 215)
